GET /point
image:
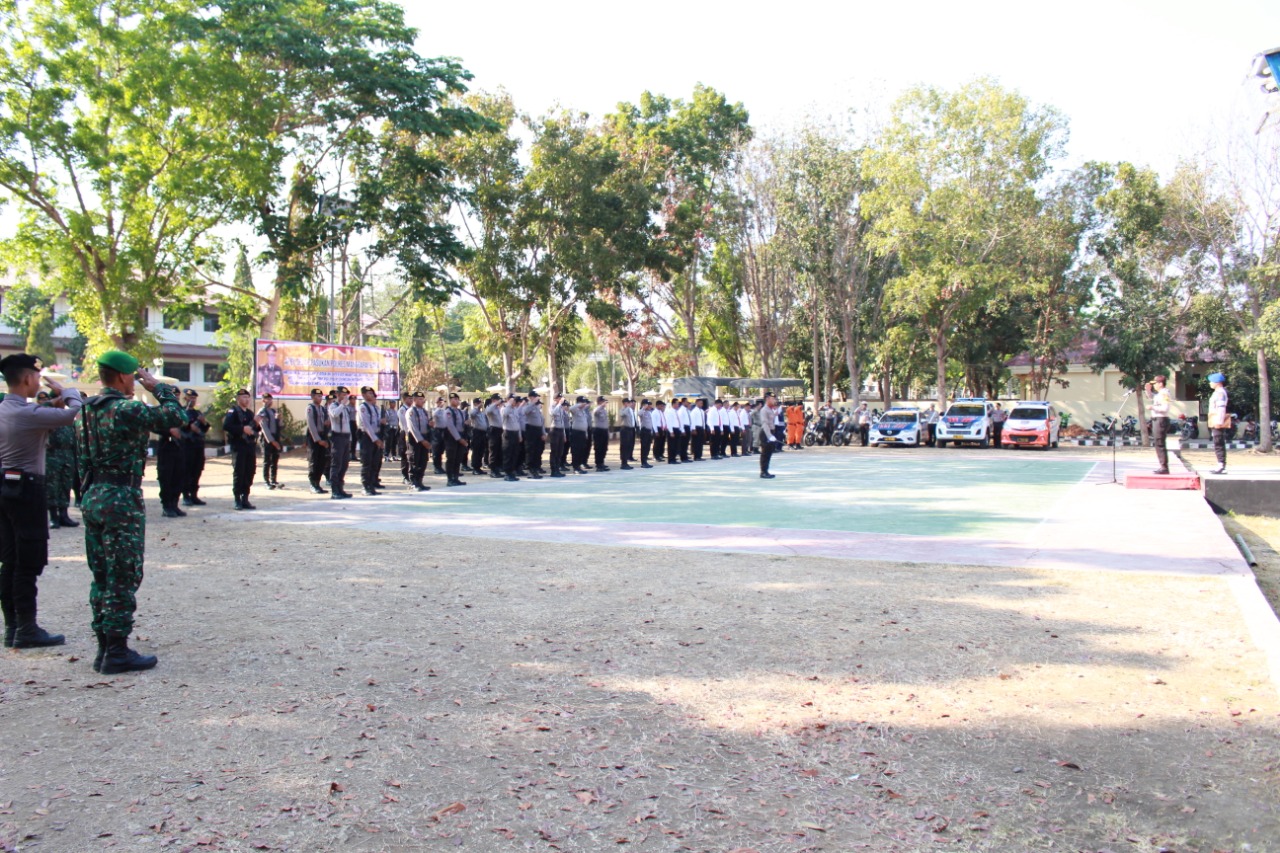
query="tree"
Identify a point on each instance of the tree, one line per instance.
(1141, 303)
(687, 150)
(348, 104)
(954, 178)
(117, 143)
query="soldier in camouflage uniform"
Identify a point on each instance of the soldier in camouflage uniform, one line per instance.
(113, 449)
(59, 470)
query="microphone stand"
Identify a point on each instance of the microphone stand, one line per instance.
(1115, 420)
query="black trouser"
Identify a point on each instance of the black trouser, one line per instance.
(437, 448)
(733, 437)
(716, 440)
(270, 463)
(557, 449)
(627, 445)
(533, 448)
(390, 442)
(659, 444)
(417, 460)
(193, 466)
(453, 453)
(864, 433)
(496, 460)
(997, 429)
(1159, 429)
(24, 550)
(646, 442)
(479, 449)
(511, 446)
(1219, 437)
(370, 462)
(685, 436)
(317, 462)
(697, 439)
(339, 460)
(674, 438)
(169, 471)
(766, 453)
(242, 468)
(405, 444)
(600, 441)
(581, 443)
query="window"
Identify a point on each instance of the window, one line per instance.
(213, 373)
(1030, 413)
(211, 324)
(179, 370)
(174, 320)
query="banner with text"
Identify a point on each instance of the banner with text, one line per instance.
(288, 370)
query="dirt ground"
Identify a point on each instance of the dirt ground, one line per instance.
(329, 688)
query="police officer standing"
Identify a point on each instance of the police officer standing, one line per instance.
(268, 420)
(317, 441)
(24, 533)
(341, 428)
(241, 430)
(113, 446)
(493, 413)
(1159, 402)
(479, 436)
(193, 433)
(455, 445)
(170, 469)
(417, 441)
(600, 432)
(559, 429)
(512, 438)
(535, 435)
(369, 423)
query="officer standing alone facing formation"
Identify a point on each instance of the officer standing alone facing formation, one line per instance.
(24, 532)
(341, 426)
(113, 446)
(369, 422)
(241, 430)
(317, 441)
(768, 416)
(1158, 401)
(59, 467)
(193, 433)
(1219, 420)
(268, 420)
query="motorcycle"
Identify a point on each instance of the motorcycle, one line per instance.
(846, 429)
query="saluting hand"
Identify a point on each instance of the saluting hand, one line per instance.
(146, 379)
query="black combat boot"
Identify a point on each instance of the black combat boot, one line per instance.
(10, 625)
(54, 524)
(66, 520)
(9, 631)
(194, 500)
(244, 503)
(239, 502)
(102, 650)
(118, 657)
(29, 635)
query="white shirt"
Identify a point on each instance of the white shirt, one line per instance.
(683, 418)
(659, 419)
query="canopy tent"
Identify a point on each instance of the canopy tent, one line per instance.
(772, 384)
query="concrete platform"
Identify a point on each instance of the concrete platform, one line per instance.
(1164, 482)
(1245, 493)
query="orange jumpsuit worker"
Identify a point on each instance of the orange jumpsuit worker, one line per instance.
(795, 426)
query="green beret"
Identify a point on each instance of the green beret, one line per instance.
(118, 361)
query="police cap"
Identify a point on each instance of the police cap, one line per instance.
(365, 389)
(418, 395)
(583, 400)
(315, 391)
(190, 392)
(243, 392)
(533, 393)
(266, 396)
(601, 399)
(342, 389)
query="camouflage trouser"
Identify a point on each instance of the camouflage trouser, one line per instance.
(114, 540)
(59, 469)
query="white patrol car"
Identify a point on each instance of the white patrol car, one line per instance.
(966, 420)
(897, 426)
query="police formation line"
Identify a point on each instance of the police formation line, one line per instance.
(45, 458)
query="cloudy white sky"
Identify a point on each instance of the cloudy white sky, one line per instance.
(1138, 80)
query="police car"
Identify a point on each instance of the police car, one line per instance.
(897, 426)
(966, 421)
(1031, 423)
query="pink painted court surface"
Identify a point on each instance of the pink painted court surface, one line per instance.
(1053, 511)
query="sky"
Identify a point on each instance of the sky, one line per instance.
(1149, 82)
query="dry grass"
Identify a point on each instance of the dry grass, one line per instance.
(327, 688)
(1262, 535)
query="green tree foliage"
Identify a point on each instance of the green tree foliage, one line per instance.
(119, 143)
(955, 177)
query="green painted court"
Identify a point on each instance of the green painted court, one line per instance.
(952, 493)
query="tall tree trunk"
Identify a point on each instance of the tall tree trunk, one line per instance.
(940, 348)
(817, 368)
(272, 316)
(553, 362)
(508, 365)
(1264, 403)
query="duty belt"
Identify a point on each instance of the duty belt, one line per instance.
(116, 478)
